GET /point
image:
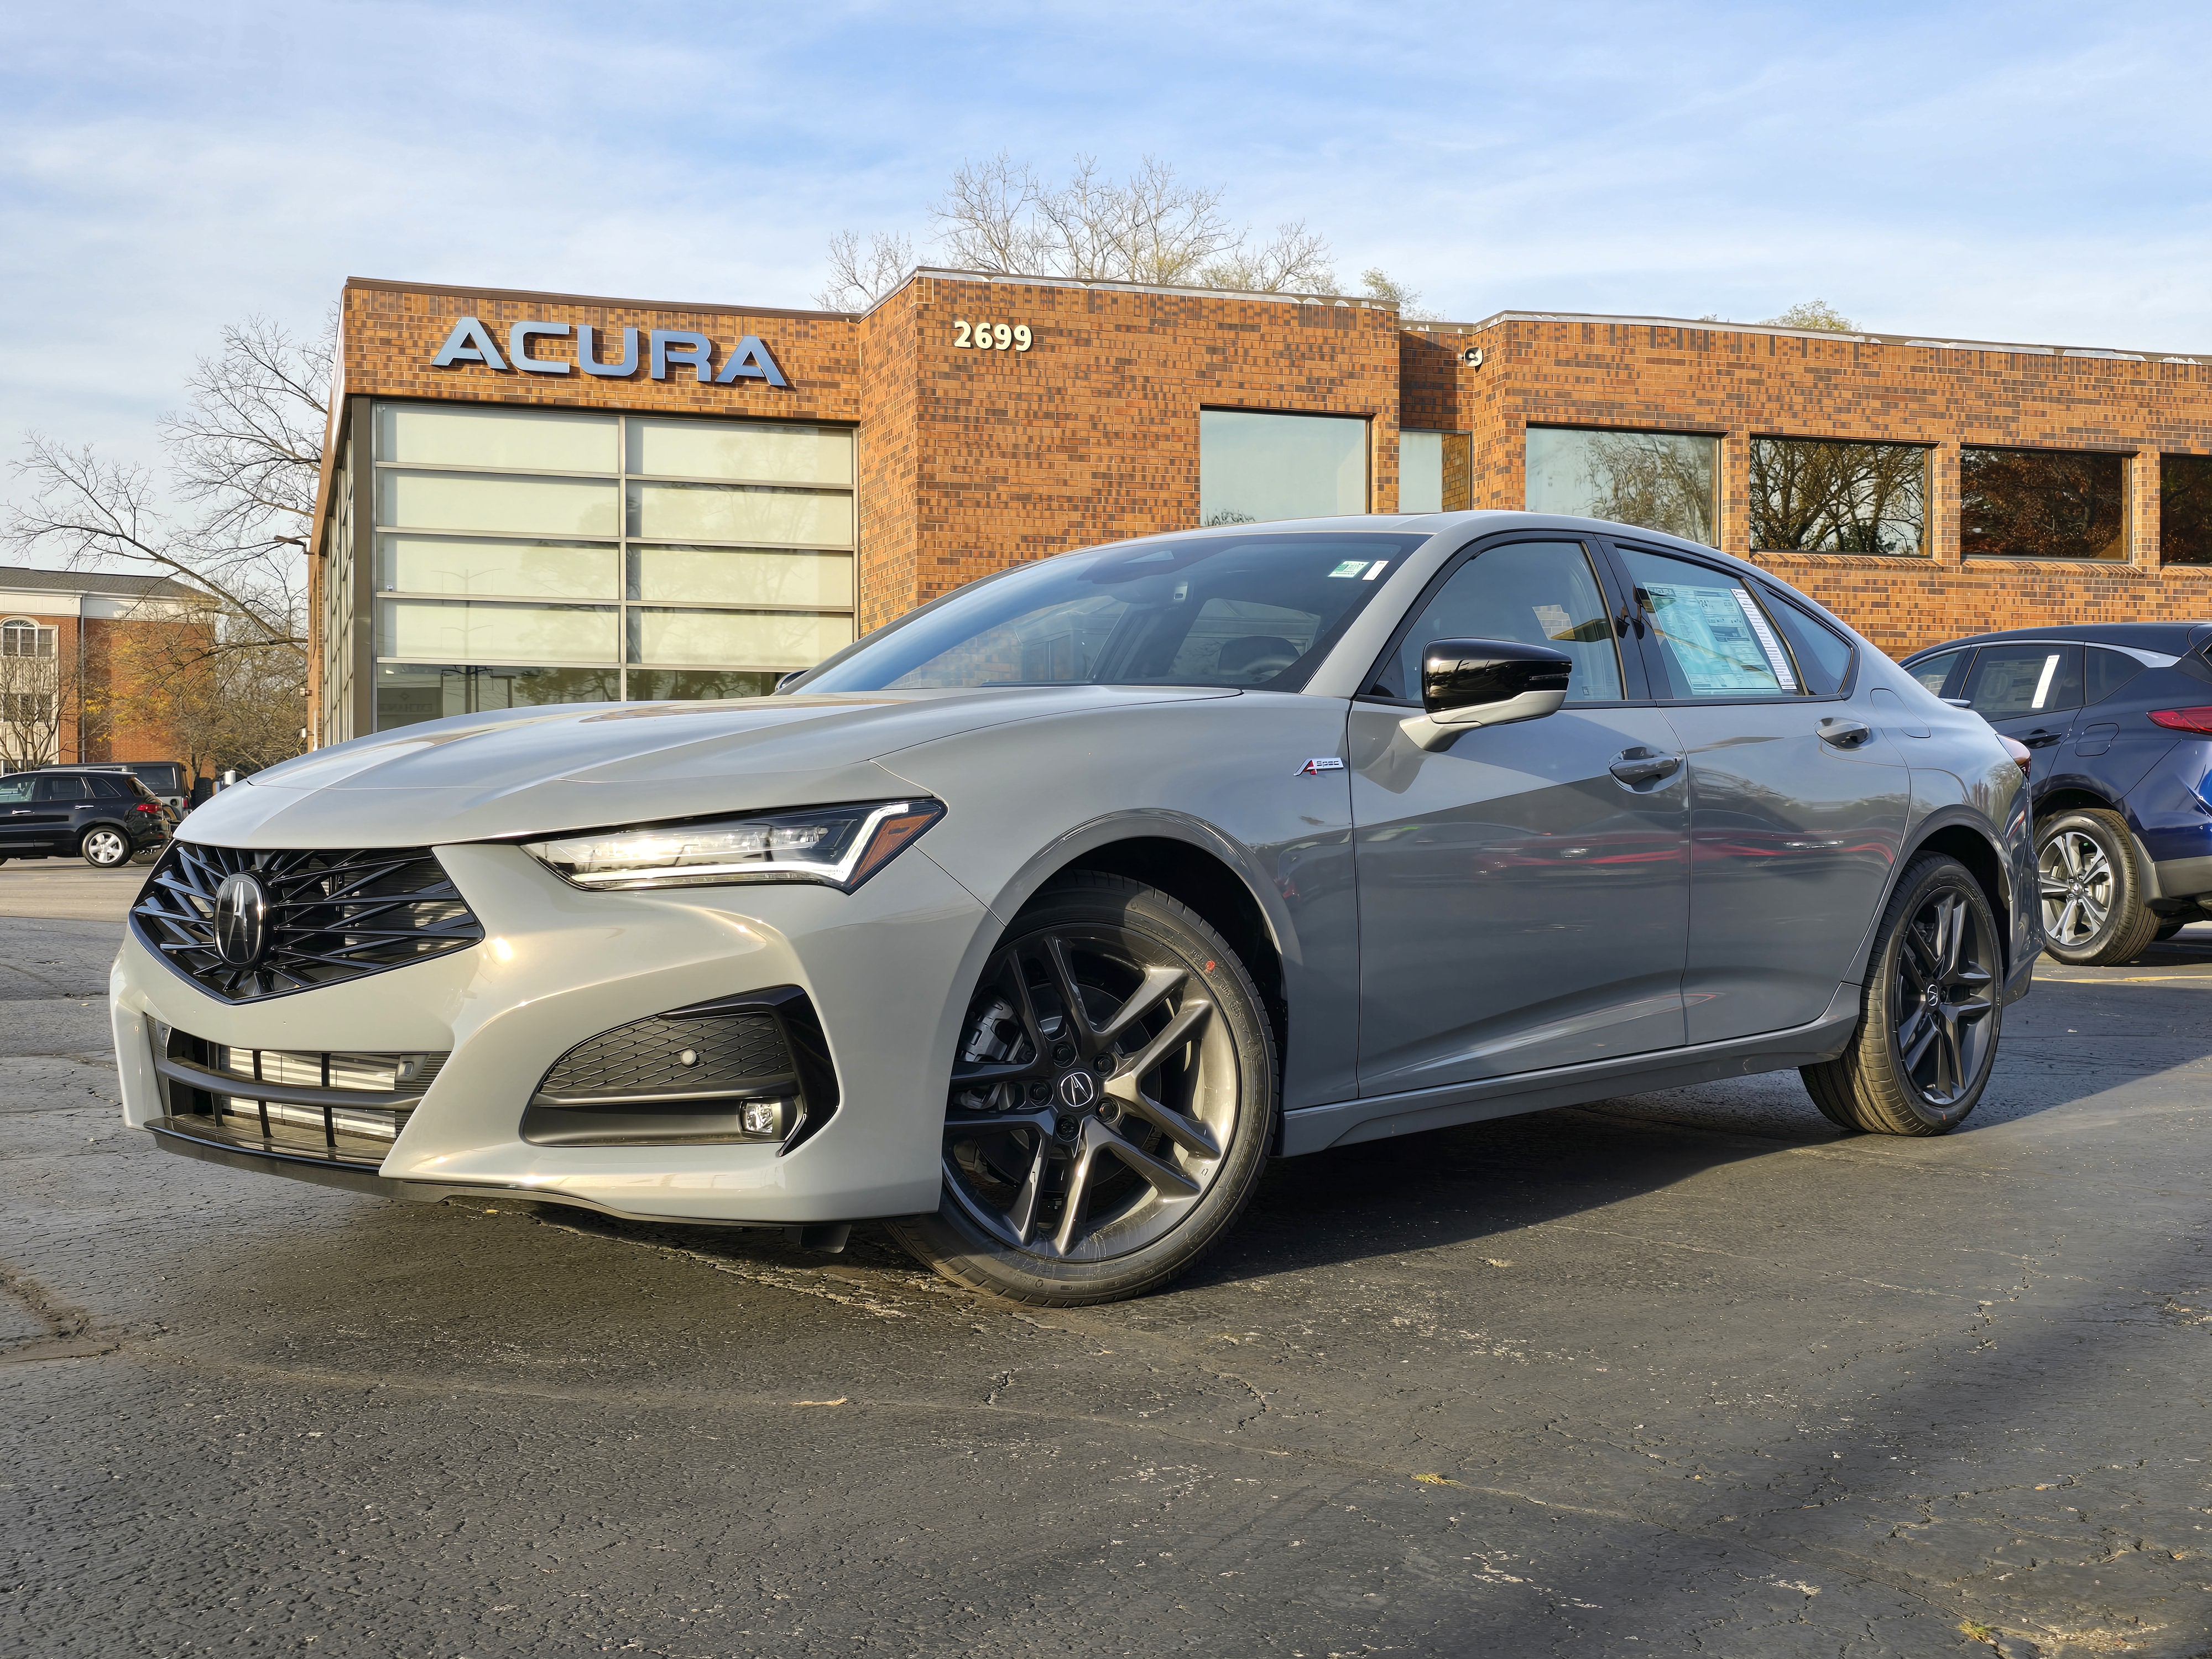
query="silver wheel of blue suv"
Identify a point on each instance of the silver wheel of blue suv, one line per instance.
(1031, 926)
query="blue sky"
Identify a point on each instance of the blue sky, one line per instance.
(2010, 171)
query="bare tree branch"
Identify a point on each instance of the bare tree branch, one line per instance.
(860, 276)
(987, 216)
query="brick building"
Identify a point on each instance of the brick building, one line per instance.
(533, 497)
(73, 648)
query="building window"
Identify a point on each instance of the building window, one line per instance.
(1435, 471)
(2184, 509)
(1255, 467)
(2042, 504)
(529, 557)
(20, 637)
(1658, 480)
(1813, 495)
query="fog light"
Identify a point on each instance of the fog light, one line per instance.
(766, 1118)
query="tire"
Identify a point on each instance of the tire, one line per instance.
(1088, 1161)
(105, 848)
(2091, 889)
(1929, 1015)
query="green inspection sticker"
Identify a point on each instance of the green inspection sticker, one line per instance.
(1350, 568)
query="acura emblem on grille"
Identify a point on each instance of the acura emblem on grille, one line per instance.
(241, 920)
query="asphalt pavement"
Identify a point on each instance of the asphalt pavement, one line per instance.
(1680, 1373)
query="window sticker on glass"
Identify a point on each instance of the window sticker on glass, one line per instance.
(1776, 659)
(1713, 643)
(1350, 568)
(1376, 569)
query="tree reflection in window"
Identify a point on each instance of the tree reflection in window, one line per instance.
(1658, 480)
(2184, 509)
(2042, 504)
(1818, 495)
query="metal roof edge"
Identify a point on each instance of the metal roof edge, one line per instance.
(1861, 335)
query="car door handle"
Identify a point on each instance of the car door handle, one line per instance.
(1845, 733)
(2042, 738)
(1643, 765)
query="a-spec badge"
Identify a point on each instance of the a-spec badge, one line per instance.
(1320, 764)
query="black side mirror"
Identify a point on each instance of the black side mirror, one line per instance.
(1466, 684)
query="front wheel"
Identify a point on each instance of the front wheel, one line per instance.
(1929, 1015)
(1111, 1105)
(105, 848)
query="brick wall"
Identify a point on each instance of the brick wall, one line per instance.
(1091, 435)
(1738, 384)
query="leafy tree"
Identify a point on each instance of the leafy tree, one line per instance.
(1815, 314)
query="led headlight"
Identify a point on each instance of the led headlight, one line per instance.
(840, 847)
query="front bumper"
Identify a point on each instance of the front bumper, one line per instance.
(885, 967)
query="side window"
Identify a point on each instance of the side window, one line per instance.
(1935, 672)
(2010, 680)
(107, 786)
(13, 791)
(1714, 639)
(60, 789)
(1824, 656)
(2108, 671)
(1536, 592)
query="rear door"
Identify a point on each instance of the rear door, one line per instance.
(2030, 691)
(1797, 801)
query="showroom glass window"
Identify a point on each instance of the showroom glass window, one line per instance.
(530, 557)
(1658, 480)
(1252, 467)
(2042, 504)
(2184, 509)
(1813, 495)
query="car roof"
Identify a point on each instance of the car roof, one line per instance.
(2173, 638)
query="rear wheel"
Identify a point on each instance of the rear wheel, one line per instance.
(105, 848)
(1111, 1105)
(2093, 913)
(1929, 1016)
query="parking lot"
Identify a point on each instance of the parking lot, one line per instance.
(1676, 1373)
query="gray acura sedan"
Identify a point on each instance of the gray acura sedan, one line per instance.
(1034, 924)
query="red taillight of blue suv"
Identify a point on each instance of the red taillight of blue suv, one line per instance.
(2199, 720)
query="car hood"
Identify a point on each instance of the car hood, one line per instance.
(581, 766)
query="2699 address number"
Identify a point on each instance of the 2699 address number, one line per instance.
(990, 337)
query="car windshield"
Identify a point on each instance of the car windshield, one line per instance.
(1247, 609)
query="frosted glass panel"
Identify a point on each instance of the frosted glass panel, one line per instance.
(1420, 473)
(495, 633)
(717, 512)
(528, 440)
(749, 638)
(1254, 467)
(725, 575)
(733, 449)
(552, 570)
(484, 501)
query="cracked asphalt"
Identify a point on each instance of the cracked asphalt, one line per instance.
(1680, 1373)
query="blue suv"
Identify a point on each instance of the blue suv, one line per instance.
(2117, 718)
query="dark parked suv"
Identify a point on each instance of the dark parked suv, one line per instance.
(2118, 719)
(103, 815)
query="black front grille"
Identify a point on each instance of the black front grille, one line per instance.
(333, 916)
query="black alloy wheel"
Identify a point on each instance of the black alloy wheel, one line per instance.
(2093, 913)
(1930, 1018)
(1111, 1103)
